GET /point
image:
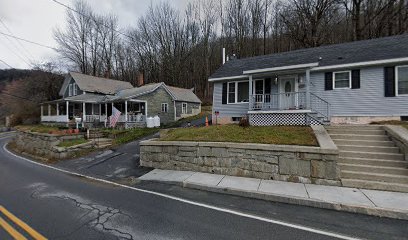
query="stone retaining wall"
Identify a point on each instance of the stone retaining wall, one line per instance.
(279, 162)
(45, 145)
(399, 135)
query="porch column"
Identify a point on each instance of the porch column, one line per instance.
(67, 110)
(100, 108)
(57, 109)
(42, 110)
(106, 113)
(126, 111)
(83, 112)
(49, 109)
(307, 88)
(250, 92)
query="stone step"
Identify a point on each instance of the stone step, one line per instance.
(380, 177)
(364, 143)
(357, 131)
(356, 127)
(373, 169)
(360, 137)
(378, 149)
(371, 155)
(375, 185)
(373, 162)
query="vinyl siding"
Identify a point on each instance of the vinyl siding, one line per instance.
(227, 110)
(368, 100)
(66, 93)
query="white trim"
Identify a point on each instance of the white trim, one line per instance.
(236, 91)
(360, 64)
(280, 111)
(396, 80)
(70, 90)
(182, 108)
(167, 107)
(227, 78)
(274, 69)
(334, 79)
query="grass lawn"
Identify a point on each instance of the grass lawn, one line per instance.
(73, 142)
(39, 128)
(282, 135)
(124, 136)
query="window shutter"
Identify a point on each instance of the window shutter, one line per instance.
(268, 85)
(355, 79)
(389, 82)
(224, 93)
(328, 81)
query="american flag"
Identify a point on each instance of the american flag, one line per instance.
(114, 117)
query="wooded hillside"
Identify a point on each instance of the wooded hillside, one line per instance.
(182, 48)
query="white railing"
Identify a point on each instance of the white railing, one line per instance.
(136, 118)
(60, 118)
(278, 101)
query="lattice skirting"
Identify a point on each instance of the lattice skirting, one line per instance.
(271, 119)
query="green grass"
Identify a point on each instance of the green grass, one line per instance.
(125, 136)
(73, 142)
(282, 135)
(39, 128)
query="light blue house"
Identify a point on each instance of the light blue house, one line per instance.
(356, 82)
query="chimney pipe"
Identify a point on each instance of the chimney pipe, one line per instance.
(223, 55)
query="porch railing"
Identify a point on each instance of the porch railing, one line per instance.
(278, 101)
(320, 106)
(122, 118)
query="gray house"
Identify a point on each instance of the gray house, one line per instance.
(91, 99)
(356, 82)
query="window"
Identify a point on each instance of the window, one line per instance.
(70, 90)
(402, 79)
(236, 119)
(238, 92)
(342, 79)
(184, 108)
(164, 107)
(74, 89)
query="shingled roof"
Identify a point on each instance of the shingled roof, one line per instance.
(177, 94)
(96, 84)
(345, 53)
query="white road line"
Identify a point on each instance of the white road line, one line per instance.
(225, 210)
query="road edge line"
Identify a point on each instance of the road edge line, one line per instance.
(220, 209)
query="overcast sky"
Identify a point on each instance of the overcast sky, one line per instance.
(35, 20)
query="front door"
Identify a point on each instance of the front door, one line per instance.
(288, 95)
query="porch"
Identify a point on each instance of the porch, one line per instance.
(93, 114)
(284, 97)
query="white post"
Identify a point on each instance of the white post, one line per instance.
(223, 55)
(42, 110)
(126, 119)
(100, 108)
(250, 93)
(106, 113)
(92, 110)
(83, 113)
(49, 109)
(57, 109)
(67, 110)
(308, 89)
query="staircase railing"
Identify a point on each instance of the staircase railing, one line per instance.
(320, 106)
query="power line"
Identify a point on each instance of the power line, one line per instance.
(18, 41)
(90, 17)
(18, 55)
(6, 63)
(25, 40)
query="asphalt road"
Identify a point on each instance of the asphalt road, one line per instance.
(63, 206)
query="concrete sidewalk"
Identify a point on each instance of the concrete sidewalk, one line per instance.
(371, 202)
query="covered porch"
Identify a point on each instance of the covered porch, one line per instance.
(282, 96)
(93, 111)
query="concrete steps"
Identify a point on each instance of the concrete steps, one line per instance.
(369, 159)
(103, 142)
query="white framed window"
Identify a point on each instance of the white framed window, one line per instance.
(342, 79)
(164, 107)
(401, 80)
(184, 108)
(74, 89)
(238, 92)
(70, 90)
